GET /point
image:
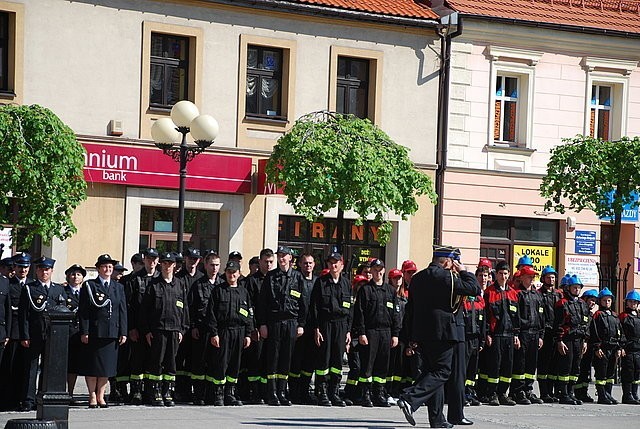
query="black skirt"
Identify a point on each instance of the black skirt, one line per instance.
(76, 355)
(100, 357)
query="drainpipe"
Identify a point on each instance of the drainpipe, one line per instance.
(448, 21)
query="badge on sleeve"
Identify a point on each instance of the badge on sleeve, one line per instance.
(179, 304)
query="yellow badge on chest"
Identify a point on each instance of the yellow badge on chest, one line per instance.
(346, 304)
(179, 304)
(513, 308)
(244, 312)
(585, 318)
(389, 304)
(295, 293)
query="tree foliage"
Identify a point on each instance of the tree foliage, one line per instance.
(330, 160)
(41, 167)
(589, 173)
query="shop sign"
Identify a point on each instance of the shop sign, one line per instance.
(149, 167)
(630, 210)
(5, 238)
(584, 267)
(585, 242)
(541, 255)
(294, 228)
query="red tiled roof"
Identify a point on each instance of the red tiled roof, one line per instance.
(404, 8)
(618, 15)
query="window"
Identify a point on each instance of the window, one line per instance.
(169, 70)
(600, 116)
(4, 52)
(506, 109)
(11, 51)
(264, 82)
(158, 227)
(353, 86)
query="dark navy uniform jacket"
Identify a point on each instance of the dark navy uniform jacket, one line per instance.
(15, 290)
(34, 299)
(164, 306)
(229, 307)
(99, 320)
(433, 310)
(73, 301)
(5, 309)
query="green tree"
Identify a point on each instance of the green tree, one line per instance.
(594, 174)
(331, 160)
(41, 168)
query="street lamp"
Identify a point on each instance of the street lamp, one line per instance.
(185, 119)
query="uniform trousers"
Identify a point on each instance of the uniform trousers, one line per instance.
(252, 362)
(278, 348)
(499, 364)
(183, 357)
(31, 356)
(162, 356)
(198, 357)
(471, 354)
(586, 361)
(303, 357)
(124, 370)
(569, 364)
(525, 360)
(329, 354)
(224, 362)
(139, 353)
(630, 367)
(547, 359)
(604, 368)
(353, 359)
(11, 375)
(374, 357)
(397, 358)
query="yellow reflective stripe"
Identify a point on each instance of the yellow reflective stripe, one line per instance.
(136, 377)
(197, 377)
(232, 380)
(271, 376)
(218, 382)
(253, 379)
(483, 376)
(610, 380)
(469, 383)
(282, 376)
(364, 380)
(352, 382)
(181, 373)
(322, 372)
(573, 378)
(209, 379)
(530, 376)
(601, 382)
(542, 377)
(389, 379)
(306, 374)
(563, 378)
(336, 370)
(168, 377)
(636, 382)
(492, 380)
(292, 375)
(153, 377)
(379, 380)
(505, 379)
(263, 380)
(516, 377)
(122, 379)
(552, 377)
(396, 378)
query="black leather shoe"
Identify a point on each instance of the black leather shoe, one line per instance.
(406, 410)
(444, 424)
(463, 422)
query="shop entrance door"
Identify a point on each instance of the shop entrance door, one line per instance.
(495, 252)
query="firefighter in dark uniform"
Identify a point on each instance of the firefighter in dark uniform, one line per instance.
(376, 324)
(398, 365)
(164, 319)
(581, 388)
(304, 352)
(11, 371)
(501, 306)
(189, 274)
(330, 318)
(198, 300)
(607, 339)
(135, 289)
(436, 324)
(630, 373)
(281, 315)
(229, 325)
(253, 357)
(352, 393)
(547, 353)
(75, 276)
(475, 328)
(35, 298)
(525, 358)
(571, 323)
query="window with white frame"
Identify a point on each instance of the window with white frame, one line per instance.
(505, 124)
(600, 111)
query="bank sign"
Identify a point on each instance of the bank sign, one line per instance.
(149, 167)
(541, 255)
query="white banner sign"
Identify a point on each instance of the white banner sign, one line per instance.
(5, 238)
(585, 267)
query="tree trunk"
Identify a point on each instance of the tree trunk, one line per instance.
(340, 230)
(617, 290)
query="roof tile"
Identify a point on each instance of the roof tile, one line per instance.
(404, 8)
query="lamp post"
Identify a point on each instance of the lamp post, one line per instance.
(166, 132)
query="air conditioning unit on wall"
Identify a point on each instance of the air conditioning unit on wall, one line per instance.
(115, 127)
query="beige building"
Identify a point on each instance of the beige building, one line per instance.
(110, 69)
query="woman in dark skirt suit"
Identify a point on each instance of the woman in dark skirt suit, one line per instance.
(103, 327)
(75, 276)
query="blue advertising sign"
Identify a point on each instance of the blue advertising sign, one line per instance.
(585, 242)
(629, 213)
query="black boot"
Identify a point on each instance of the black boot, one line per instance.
(572, 395)
(634, 392)
(378, 396)
(115, 397)
(365, 399)
(564, 395)
(306, 395)
(122, 387)
(168, 392)
(218, 395)
(334, 394)
(582, 393)
(156, 391)
(608, 389)
(520, 397)
(294, 390)
(136, 392)
(627, 397)
(473, 397)
(350, 393)
(272, 397)
(321, 393)
(603, 398)
(198, 392)
(255, 397)
(282, 392)
(230, 395)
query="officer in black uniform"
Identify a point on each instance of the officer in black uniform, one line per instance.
(36, 296)
(164, 319)
(376, 323)
(190, 275)
(547, 355)
(331, 314)
(252, 357)
(229, 326)
(12, 368)
(437, 326)
(198, 300)
(75, 276)
(135, 289)
(281, 315)
(5, 320)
